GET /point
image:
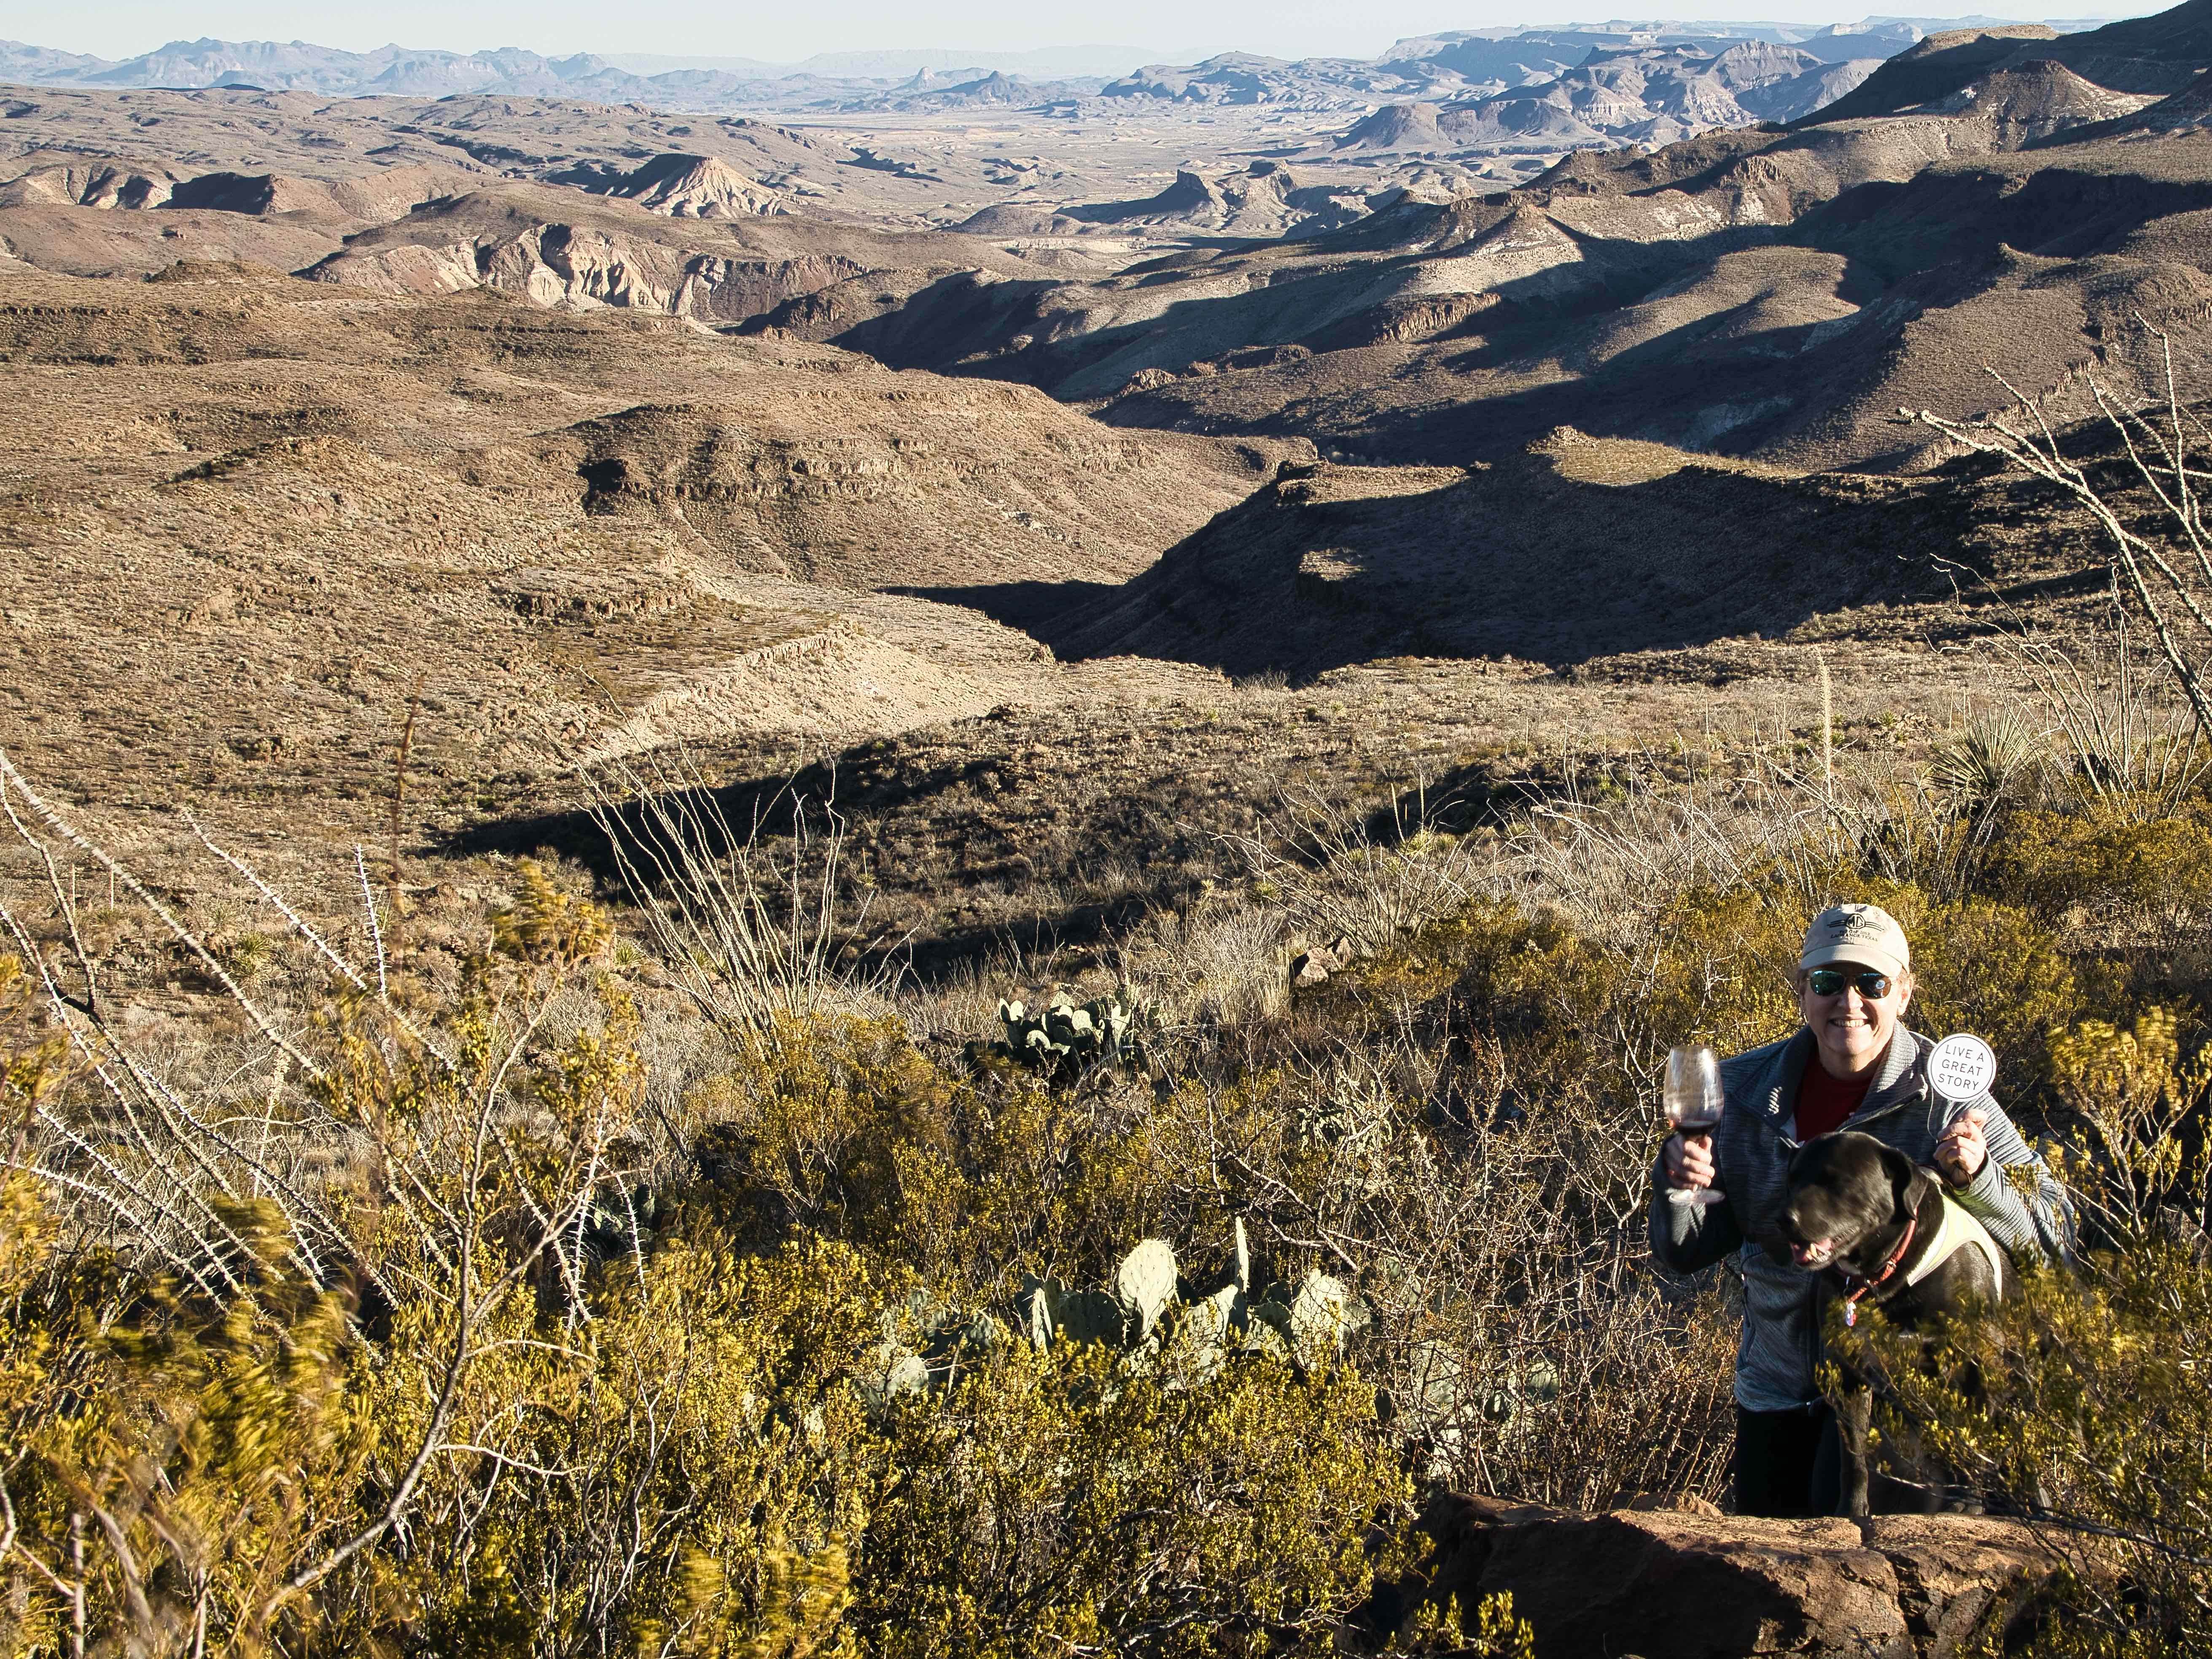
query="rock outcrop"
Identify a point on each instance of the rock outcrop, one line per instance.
(377, 196)
(579, 266)
(1692, 1584)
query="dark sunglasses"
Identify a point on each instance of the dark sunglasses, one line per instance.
(1826, 982)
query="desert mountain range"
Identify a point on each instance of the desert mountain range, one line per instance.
(607, 425)
(1465, 66)
(248, 501)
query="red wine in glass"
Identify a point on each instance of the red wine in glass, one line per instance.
(1692, 1099)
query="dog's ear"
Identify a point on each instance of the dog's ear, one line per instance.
(1900, 1170)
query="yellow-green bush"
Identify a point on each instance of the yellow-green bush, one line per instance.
(845, 1128)
(2122, 878)
(515, 1449)
(171, 1462)
(459, 1404)
(2084, 1399)
(656, 1463)
(1069, 1499)
(1578, 1012)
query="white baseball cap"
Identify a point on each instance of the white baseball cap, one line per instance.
(1865, 934)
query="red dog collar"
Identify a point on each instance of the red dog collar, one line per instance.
(1852, 1301)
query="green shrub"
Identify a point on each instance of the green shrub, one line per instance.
(685, 1449)
(459, 1403)
(1715, 965)
(2120, 878)
(1066, 1498)
(2084, 1399)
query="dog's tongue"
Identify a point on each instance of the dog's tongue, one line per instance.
(1807, 1255)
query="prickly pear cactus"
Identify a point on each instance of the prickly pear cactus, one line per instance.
(1053, 1310)
(1145, 1284)
(1305, 1324)
(1323, 1314)
(620, 1223)
(1518, 1392)
(1064, 1035)
(890, 1370)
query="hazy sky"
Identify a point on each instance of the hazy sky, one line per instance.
(782, 33)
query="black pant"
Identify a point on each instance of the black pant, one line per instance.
(1788, 1463)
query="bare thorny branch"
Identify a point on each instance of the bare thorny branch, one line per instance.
(162, 1166)
(2160, 585)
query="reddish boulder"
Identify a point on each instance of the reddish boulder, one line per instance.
(1675, 1584)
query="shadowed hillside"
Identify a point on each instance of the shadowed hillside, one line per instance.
(1583, 548)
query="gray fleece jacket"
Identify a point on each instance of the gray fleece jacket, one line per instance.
(1780, 1347)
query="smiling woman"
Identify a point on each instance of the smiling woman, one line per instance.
(1853, 1063)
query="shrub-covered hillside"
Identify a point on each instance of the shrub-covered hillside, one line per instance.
(658, 1275)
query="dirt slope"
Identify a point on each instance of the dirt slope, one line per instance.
(244, 515)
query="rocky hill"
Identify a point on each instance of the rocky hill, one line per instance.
(255, 510)
(1764, 292)
(1614, 556)
(2153, 55)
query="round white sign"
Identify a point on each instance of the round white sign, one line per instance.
(1961, 1068)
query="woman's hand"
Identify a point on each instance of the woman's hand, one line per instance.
(1962, 1151)
(1688, 1164)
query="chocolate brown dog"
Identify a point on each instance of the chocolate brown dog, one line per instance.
(1884, 1232)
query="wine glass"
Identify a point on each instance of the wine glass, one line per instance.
(1693, 1098)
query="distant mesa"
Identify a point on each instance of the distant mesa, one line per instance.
(385, 194)
(1803, 95)
(1231, 78)
(1396, 126)
(694, 187)
(1645, 93)
(1019, 219)
(1454, 68)
(1263, 199)
(93, 185)
(237, 192)
(997, 89)
(1189, 196)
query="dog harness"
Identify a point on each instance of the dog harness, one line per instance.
(1959, 1228)
(1955, 1230)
